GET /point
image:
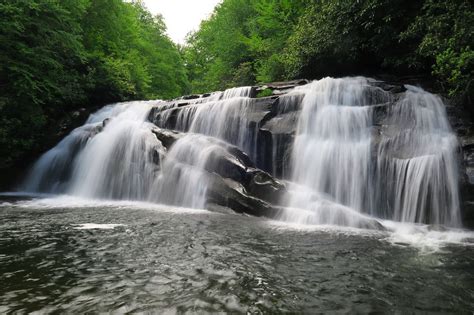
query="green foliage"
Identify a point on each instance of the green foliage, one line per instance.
(131, 53)
(41, 48)
(269, 40)
(216, 52)
(270, 30)
(58, 55)
(347, 37)
(241, 43)
(446, 33)
(265, 93)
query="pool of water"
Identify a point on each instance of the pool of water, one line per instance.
(60, 254)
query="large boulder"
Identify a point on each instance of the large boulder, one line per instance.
(273, 122)
(231, 194)
(233, 180)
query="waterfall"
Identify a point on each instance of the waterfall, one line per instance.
(114, 155)
(52, 172)
(183, 180)
(332, 150)
(417, 162)
(411, 178)
(286, 110)
(119, 162)
(358, 153)
(225, 116)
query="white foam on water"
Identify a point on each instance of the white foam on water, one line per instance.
(72, 202)
(426, 238)
(184, 179)
(413, 177)
(324, 228)
(96, 226)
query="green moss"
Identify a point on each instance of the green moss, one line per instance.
(265, 93)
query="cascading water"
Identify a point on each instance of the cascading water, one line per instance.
(183, 180)
(224, 116)
(52, 172)
(78, 165)
(286, 113)
(121, 161)
(332, 150)
(146, 196)
(411, 178)
(116, 155)
(347, 165)
(417, 163)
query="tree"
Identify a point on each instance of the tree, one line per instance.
(58, 55)
(40, 67)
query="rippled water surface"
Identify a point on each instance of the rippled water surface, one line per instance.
(124, 257)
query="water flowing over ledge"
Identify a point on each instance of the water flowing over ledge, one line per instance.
(348, 152)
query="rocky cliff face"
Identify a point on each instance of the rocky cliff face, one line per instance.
(334, 151)
(463, 125)
(256, 182)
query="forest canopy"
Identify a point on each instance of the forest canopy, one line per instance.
(58, 55)
(248, 41)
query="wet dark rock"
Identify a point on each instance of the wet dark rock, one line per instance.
(263, 186)
(372, 224)
(388, 87)
(155, 157)
(463, 125)
(228, 166)
(231, 194)
(181, 104)
(190, 97)
(274, 119)
(234, 182)
(166, 137)
(380, 112)
(105, 122)
(280, 88)
(253, 92)
(282, 124)
(258, 110)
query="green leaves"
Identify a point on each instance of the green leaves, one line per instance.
(271, 40)
(445, 36)
(242, 42)
(62, 54)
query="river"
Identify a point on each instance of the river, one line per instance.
(64, 254)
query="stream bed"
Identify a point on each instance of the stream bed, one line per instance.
(63, 254)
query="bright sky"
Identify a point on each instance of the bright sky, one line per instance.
(182, 16)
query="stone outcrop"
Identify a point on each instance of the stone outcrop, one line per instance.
(463, 125)
(234, 182)
(250, 188)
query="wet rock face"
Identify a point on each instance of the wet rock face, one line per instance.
(243, 182)
(463, 125)
(234, 182)
(270, 121)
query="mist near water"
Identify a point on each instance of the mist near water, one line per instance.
(345, 168)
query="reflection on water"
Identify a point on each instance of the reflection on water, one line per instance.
(136, 258)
